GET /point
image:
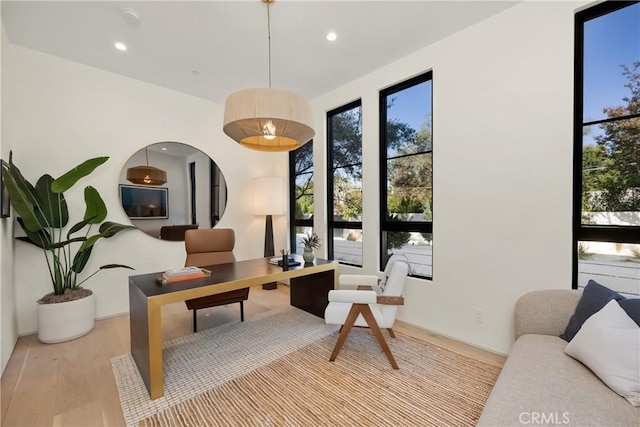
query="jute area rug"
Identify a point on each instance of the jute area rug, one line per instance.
(434, 387)
(196, 363)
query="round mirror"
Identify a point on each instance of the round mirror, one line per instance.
(170, 187)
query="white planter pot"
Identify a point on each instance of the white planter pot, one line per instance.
(66, 321)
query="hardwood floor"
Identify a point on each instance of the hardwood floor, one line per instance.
(72, 384)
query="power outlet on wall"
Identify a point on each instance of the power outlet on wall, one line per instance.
(478, 315)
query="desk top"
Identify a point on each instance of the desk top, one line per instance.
(243, 273)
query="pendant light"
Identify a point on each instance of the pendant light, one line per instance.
(146, 175)
(268, 119)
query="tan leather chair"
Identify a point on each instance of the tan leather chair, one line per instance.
(210, 246)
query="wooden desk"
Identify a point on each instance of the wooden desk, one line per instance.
(310, 285)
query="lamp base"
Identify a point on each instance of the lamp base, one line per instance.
(269, 249)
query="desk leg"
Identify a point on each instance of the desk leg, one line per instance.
(311, 293)
(146, 340)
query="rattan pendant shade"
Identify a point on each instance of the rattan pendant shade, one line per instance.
(146, 175)
(267, 119)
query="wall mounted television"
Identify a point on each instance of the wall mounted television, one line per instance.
(141, 202)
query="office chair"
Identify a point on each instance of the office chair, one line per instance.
(210, 246)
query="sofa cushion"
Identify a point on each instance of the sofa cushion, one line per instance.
(609, 344)
(594, 297)
(631, 306)
(541, 385)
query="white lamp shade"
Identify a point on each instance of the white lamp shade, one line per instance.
(268, 119)
(268, 196)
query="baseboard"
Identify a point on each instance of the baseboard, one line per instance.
(450, 343)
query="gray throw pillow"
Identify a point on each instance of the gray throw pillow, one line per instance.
(631, 306)
(594, 297)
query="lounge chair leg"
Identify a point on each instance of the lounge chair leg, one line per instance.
(242, 311)
(344, 331)
(195, 322)
(373, 325)
(391, 332)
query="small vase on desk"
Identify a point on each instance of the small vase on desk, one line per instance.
(308, 255)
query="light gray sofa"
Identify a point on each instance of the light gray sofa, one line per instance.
(540, 384)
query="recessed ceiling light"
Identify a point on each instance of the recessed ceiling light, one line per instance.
(164, 148)
(331, 36)
(120, 46)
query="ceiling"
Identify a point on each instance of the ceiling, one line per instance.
(212, 48)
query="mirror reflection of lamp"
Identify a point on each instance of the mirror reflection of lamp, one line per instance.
(146, 175)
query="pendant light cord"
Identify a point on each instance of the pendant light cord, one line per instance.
(269, 37)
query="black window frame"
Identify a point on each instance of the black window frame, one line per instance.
(385, 224)
(293, 221)
(590, 232)
(333, 224)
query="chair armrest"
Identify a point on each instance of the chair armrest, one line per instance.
(545, 312)
(387, 300)
(356, 297)
(358, 279)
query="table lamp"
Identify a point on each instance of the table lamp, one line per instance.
(268, 200)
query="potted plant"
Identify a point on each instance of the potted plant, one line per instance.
(69, 311)
(311, 241)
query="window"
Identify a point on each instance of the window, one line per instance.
(607, 147)
(344, 139)
(301, 194)
(406, 173)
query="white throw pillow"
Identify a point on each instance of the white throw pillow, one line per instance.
(608, 343)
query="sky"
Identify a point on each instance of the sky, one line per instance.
(609, 41)
(412, 106)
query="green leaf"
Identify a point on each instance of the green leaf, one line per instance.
(108, 266)
(52, 208)
(81, 258)
(40, 238)
(69, 179)
(89, 242)
(96, 210)
(66, 242)
(77, 227)
(23, 196)
(110, 229)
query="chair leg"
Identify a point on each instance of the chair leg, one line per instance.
(195, 321)
(344, 331)
(391, 332)
(242, 311)
(373, 325)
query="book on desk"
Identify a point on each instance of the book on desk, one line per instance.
(181, 274)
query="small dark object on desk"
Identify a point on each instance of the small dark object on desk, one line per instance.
(292, 263)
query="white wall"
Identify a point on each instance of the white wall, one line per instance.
(502, 132)
(8, 317)
(503, 109)
(58, 113)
